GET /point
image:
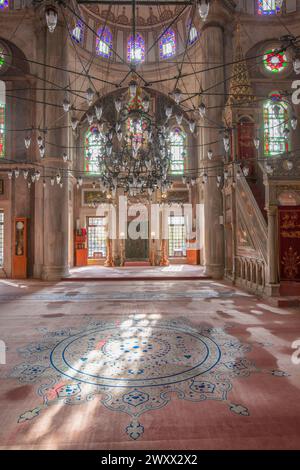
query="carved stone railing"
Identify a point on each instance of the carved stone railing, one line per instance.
(251, 273)
(252, 217)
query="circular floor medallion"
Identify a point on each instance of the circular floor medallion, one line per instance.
(135, 356)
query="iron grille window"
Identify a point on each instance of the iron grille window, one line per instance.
(96, 237)
(177, 236)
(1, 238)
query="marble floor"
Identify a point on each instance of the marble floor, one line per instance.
(146, 365)
(144, 272)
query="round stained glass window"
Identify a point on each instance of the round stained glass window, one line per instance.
(274, 61)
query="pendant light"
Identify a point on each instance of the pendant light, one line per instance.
(9, 174)
(17, 173)
(89, 96)
(118, 105)
(27, 141)
(74, 123)
(66, 105)
(202, 110)
(52, 180)
(42, 151)
(256, 142)
(209, 154)
(65, 157)
(25, 174)
(132, 88)
(294, 122)
(179, 118)
(203, 8)
(40, 140)
(51, 18)
(177, 95)
(192, 126)
(98, 112)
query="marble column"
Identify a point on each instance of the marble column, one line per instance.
(210, 139)
(272, 287)
(56, 199)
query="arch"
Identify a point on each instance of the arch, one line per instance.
(136, 49)
(104, 42)
(178, 150)
(276, 116)
(94, 142)
(167, 44)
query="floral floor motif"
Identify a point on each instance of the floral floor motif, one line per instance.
(134, 366)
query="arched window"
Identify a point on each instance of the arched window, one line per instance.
(178, 151)
(193, 34)
(276, 118)
(167, 44)
(2, 119)
(267, 7)
(104, 42)
(77, 33)
(275, 62)
(136, 49)
(93, 150)
(3, 4)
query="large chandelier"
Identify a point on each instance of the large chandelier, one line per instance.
(134, 151)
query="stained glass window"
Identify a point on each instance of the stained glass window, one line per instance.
(193, 34)
(167, 44)
(3, 4)
(104, 42)
(136, 49)
(276, 118)
(178, 151)
(94, 148)
(177, 236)
(275, 61)
(2, 130)
(77, 33)
(267, 7)
(2, 58)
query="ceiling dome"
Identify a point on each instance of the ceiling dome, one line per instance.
(146, 16)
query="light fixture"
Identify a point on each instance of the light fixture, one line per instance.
(90, 118)
(51, 18)
(202, 110)
(205, 178)
(146, 103)
(33, 177)
(74, 123)
(89, 96)
(209, 154)
(132, 88)
(246, 171)
(25, 174)
(52, 180)
(256, 142)
(177, 95)
(289, 165)
(179, 118)
(226, 141)
(42, 151)
(66, 105)
(118, 105)
(17, 173)
(27, 141)
(80, 180)
(65, 157)
(40, 140)
(37, 175)
(58, 178)
(203, 8)
(294, 122)
(9, 174)
(192, 126)
(168, 111)
(98, 112)
(44, 183)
